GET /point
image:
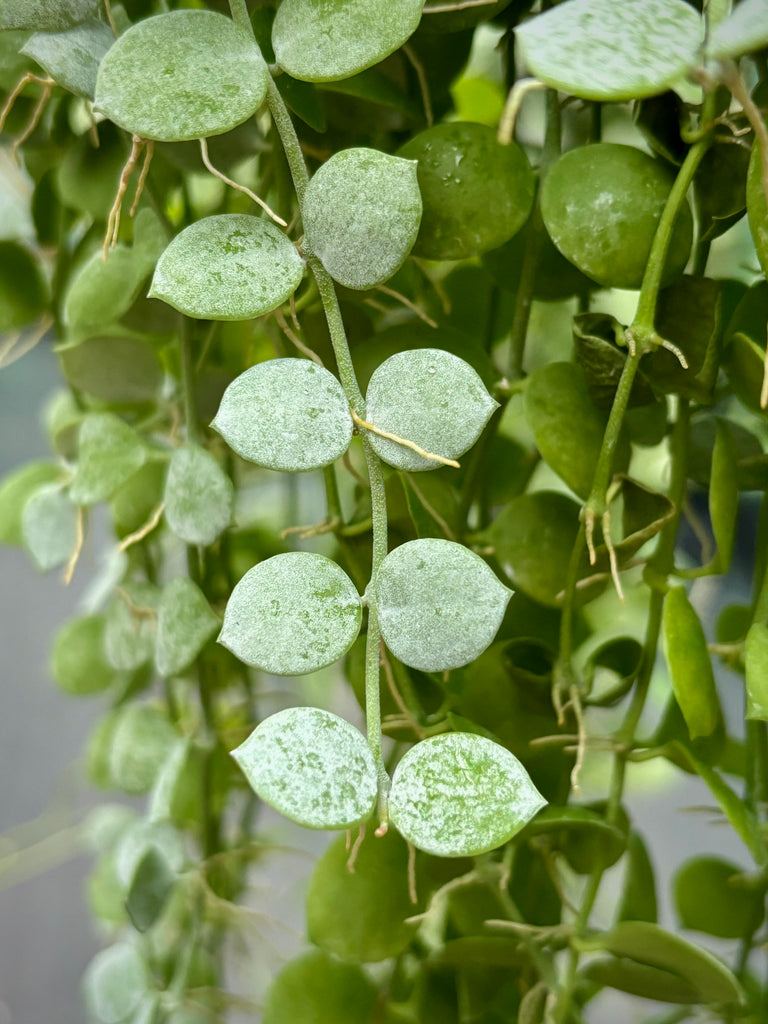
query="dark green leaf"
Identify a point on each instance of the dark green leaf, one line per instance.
(641, 980)
(689, 315)
(709, 899)
(116, 368)
(638, 899)
(720, 187)
(23, 293)
(757, 207)
(150, 887)
(596, 337)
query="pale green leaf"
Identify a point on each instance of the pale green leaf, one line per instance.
(15, 490)
(689, 663)
(129, 636)
(141, 742)
(745, 30)
(361, 215)
(185, 623)
(115, 982)
(312, 766)
(78, 660)
(327, 40)
(229, 267)
(756, 665)
(439, 604)
(101, 291)
(430, 397)
(291, 614)
(142, 836)
(757, 207)
(49, 527)
(72, 57)
(109, 451)
(724, 495)
(459, 795)
(181, 75)
(288, 414)
(47, 15)
(199, 496)
(603, 50)
(317, 989)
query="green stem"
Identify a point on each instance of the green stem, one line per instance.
(240, 15)
(604, 466)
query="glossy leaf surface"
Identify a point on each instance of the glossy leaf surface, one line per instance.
(109, 453)
(476, 193)
(72, 58)
(291, 614)
(361, 214)
(228, 267)
(458, 795)
(326, 40)
(287, 414)
(601, 205)
(439, 604)
(430, 397)
(181, 75)
(601, 50)
(689, 663)
(312, 766)
(199, 496)
(185, 623)
(359, 915)
(317, 988)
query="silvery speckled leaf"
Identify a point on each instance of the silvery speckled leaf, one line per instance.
(181, 75)
(228, 267)
(49, 527)
(361, 213)
(288, 414)
(47, 15)
(604, 50)
(430, 397)
(312, 766)
(199, 496)
(131, 621)
(328, 40)
(185, 623)
(746, 29)
(115, 983)
(291, 614)
(459, 795)
(109, 452)
(439, 604)
(72, 58)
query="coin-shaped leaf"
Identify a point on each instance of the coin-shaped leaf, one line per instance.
(601, 50)
(746, 29)
(312, 766)
(317, 988)
(459, 795)
(601, 205)
(291, 614)
(142, 741)
(430, 397)
(15, 490)
(361, 215)
(72, 58)
(477, 193)
(109, 451)
(115, 983)
(288, 414)
(199, 496)
(49, 527)
(47, 15)
(181, 75)
(78, 661)
(131, 620)
(185, 623)
(228, 267)
(439, 604)
(327, 40)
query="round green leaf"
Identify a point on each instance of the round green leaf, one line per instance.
(708, 901)
(47, 15)
(181, 75)
(439, 604)
(78, 662)
(115, 983)
(746, 29)
(15, 490)
(109, 451)
(134, 503)
(360, 915)
(142, 740)
(291, 614)
(327, 40)
(476, 192)
(199, 496)
(312, 766)
(185, 623)
(316, 989)
(72, 58)
(459, 795)
(361, 215)
(129, 637)
(120, 370)
(49, 527)
(601, 205)
(601, 50)
(288, 414)
(101, 291)
(430, 397)
(228, 267)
